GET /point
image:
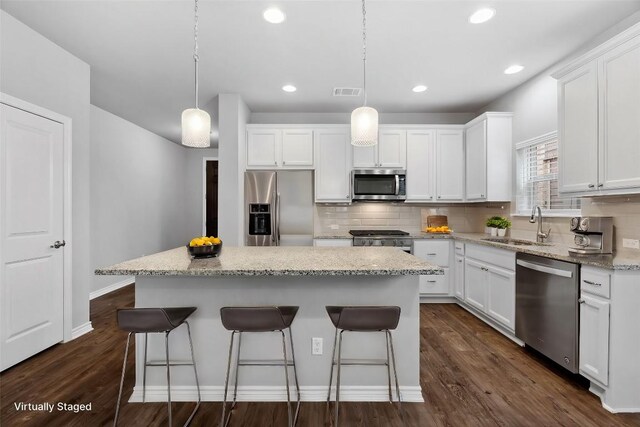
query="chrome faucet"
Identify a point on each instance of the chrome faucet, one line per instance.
(540, 235)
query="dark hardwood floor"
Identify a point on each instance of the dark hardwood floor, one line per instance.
(471, 376)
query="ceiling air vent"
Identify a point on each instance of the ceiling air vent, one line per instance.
(346, 91)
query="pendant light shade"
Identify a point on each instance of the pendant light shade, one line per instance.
(196, 123)
(364, 120)
(196, 128)
(364, 127)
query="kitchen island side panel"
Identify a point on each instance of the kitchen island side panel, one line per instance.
(311, 294)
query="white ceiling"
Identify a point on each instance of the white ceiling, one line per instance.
(140, 52)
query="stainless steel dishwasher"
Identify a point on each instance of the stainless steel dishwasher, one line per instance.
(547, 316)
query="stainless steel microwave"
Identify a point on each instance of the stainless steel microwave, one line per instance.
(379, 184)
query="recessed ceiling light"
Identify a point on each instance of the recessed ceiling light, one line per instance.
(289, 88)
(514, 69)
(419, 88)
(482, 15)
(274, 15)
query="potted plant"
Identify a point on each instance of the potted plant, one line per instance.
(503, 224)
(492, 225)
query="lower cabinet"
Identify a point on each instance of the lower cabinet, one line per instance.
(435, 285)
(332, 242)
(594, 338)
(458, 288)
(489, 288)
(436, 252)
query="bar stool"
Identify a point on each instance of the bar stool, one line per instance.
(259, 319)
(156, 320)
(363, 319)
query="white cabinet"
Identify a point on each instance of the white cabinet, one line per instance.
(333, 242)
(598, 127)
(449, 165)
(276, 148)
(501, 295)
(458, 288)
(619, 84)
(333, 166)
(594, 338)
(475, 284)
(435, 252)
(488, 158)
(420, 165)
(390, 152)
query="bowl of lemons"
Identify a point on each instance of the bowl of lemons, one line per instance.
(204, 247)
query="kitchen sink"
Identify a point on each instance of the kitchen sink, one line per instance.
(516, 242)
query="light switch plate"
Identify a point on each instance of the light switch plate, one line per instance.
(631, 243)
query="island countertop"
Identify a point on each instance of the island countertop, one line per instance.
(278, 261)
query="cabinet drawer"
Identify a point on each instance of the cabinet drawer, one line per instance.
(435, 285)
(435, 252)
(498, 257)
(459, 248)
(595, 281)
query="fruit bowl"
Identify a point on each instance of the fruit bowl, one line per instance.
(206, 251)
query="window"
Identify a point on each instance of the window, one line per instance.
(537, 178)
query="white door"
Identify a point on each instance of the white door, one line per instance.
(262, 147)
(501, 296)
(578, 130)
(475, 284)
(620, 119)
(297, 147)
(476, 161)
(333, 166)
(594, 338)
(420, 165)
(31, 208)
(459, 278)
(450, 165)
(392, 149)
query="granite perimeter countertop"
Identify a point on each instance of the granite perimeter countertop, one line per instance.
(278, 261)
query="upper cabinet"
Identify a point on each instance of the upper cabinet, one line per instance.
(450, 165)
(421, 165)
(488, 158)
(279, 148)
(390, 152)
(599, 129)
(333, 166)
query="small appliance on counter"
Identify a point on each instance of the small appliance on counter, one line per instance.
(592, 235)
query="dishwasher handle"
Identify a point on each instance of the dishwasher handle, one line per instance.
(544, 269)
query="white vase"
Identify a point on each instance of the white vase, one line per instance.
(494, 231)
(502, 232)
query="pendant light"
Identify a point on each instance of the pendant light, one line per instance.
(196, 123)
(364, 120)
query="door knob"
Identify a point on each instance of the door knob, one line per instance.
(58, 244)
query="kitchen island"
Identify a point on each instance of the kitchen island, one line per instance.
(309, 277)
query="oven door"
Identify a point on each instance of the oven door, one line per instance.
(378, 184)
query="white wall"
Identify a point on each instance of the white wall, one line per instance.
(138, 197)
(38, 71)
(345, 118)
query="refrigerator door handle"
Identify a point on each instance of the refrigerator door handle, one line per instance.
(274, 220)
(278, 219)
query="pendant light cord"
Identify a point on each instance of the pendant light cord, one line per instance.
(196, 58)
(364, 51)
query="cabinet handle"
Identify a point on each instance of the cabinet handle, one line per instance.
(284, 163)
(432, 254)
(589, 282)
(347, 196)
(600, 185)
(581, 301)
(431, 281)
(591, 186)
(460, 260)
(439, 197)
(484, 269)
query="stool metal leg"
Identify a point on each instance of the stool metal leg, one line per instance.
(224, 422)
(295, 376)
(237, 374)
(338, 376)
(395, 374)
(166, 346)
(144, 370)
(386, 338)
(333, 362)
(195, 373)
(124, 368)
(286, 378)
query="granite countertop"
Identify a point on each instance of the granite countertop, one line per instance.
(337, 234)
(278, 261)
(554, 251)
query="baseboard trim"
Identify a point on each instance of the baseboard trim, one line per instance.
(114, 287)
(276, 394)
(434, 299)
(78, 331)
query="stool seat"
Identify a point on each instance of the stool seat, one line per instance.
(364, 318)
(138, 320)
(258, 319)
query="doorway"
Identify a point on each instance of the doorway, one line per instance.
(210, 214)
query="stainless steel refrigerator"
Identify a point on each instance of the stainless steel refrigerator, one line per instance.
(278, 208)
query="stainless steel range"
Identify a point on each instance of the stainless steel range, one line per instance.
(391, 238)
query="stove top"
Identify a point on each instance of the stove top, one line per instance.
(377, 233)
